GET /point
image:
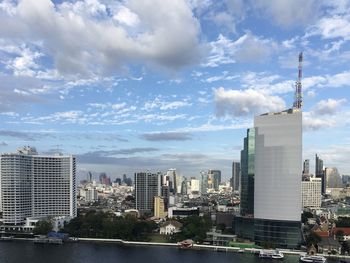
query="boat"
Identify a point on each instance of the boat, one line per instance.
(186, 244)
(241, 250)
(273, 254)
(6, 238)
(312, 259)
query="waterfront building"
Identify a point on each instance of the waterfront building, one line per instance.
(159, 207)
(311, 193)
(147, 186)
(34, 185)
(247, 174)
(170, 227)
(319, 172)
(277, 180)
(236, 174)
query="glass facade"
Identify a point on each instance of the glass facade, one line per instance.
(247, 174)
(277, 233)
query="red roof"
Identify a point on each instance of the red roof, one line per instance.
(322, 233)
(346, 230)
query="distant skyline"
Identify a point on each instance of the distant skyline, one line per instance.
(133, 85)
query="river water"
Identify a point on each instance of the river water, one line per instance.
(27, 252)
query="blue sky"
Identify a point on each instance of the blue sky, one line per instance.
(134, 85)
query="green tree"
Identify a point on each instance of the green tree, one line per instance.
(339, 235)
(305, 216)
(312, 239)
(42, 227)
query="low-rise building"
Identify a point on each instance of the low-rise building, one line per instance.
(182, 211)
(216, 238)
(170, 227)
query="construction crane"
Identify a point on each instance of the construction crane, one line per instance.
(298, 98)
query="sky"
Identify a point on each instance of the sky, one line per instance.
(129, 86)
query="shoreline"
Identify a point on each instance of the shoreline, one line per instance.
(194, 247)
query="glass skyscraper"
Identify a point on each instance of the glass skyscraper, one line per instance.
(247, 174)
(278, 166)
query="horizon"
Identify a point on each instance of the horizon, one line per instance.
(126, 87)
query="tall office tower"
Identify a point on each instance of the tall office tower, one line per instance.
(247, 174)
(214, 179)
(195, 186)
(35, 185)
(159, 207)
(333, 178)
(311, 193)
(319, 172)
(170, 179)
(204, 182)
(184, 187)
(147, 186)
(306, 167)
(165, 194)
(236, 174)
(277, 191)
(345, 180)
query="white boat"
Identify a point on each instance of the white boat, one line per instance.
(273, 254)
(312, 259)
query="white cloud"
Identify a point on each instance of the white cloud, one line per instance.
(118, 106)
(243, 102)
(83, 38)
(161, 104)
(331, 27)
(125, 16)
(329, 106)
(247, 49)
(288, 13)
(326, 114)
(313, 123)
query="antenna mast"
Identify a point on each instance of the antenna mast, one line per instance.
(298, 100)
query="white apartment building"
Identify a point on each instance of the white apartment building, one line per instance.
(311, 193)
(35, 185)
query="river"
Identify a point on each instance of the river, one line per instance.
(27, 252)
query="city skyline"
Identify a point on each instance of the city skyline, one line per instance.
(126, 90)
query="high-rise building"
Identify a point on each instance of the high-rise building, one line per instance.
(306, 167)
(247, 174)
(333, 178)
(319, 172)
(277, 181)
(194, 186)
(147, 186)
(169, 180)
(311, 193)
(236, 174)
(159, 207)
(214, 179)
(204, 182)
(35, 185)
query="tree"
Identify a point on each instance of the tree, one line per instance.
(305, 216)
(42, 227)
(313, 239)
(339, 235)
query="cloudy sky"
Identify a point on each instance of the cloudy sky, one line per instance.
(156, 84)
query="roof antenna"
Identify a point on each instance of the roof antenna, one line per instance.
(298, 99)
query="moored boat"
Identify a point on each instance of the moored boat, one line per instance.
(312, 259)
(273, 254)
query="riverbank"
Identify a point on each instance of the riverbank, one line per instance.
(194, 247)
